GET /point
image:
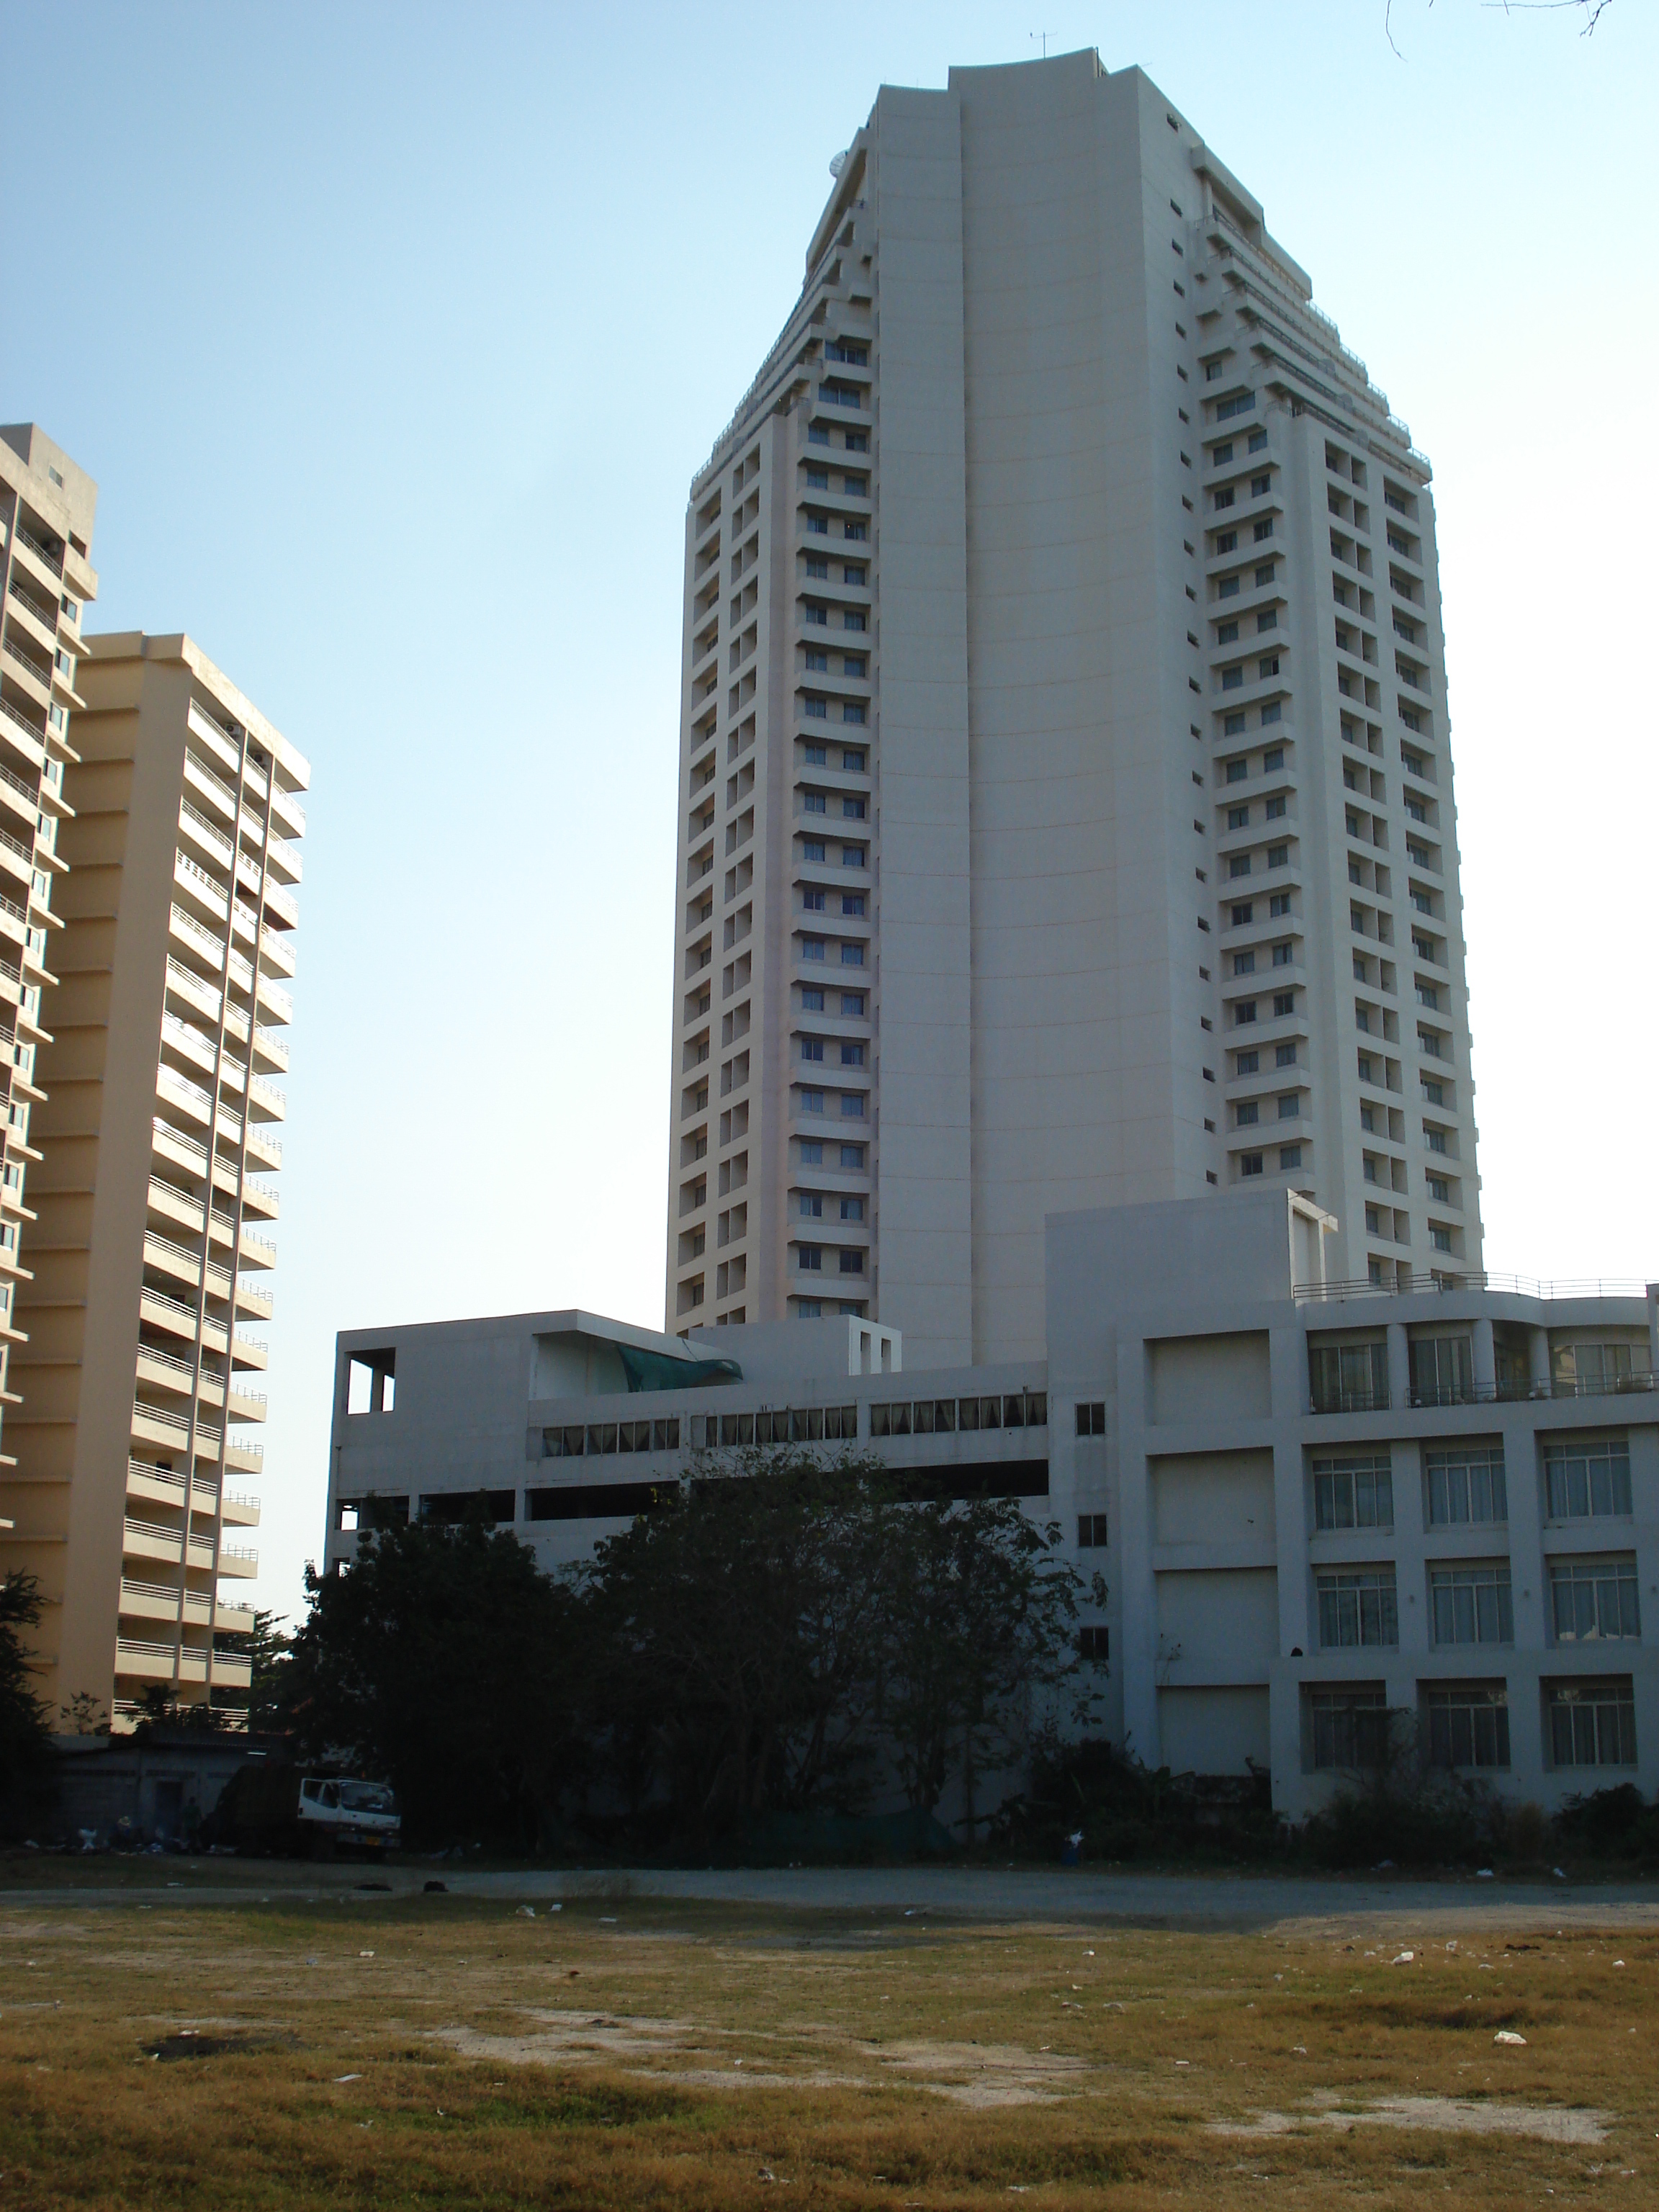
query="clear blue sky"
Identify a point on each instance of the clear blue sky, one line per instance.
(392, 335)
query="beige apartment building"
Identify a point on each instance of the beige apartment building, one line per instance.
(1066, 813)
(136, 1436)
(46, 508)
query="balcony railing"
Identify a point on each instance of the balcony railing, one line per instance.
(1504, 1392)
(1445, 1279)
(183, 860)
(204, 937)
(40, 671)
(41, 550)
(1359, 1401)
(35, 731)
(219, 838)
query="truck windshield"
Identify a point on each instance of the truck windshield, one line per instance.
(367, 1797)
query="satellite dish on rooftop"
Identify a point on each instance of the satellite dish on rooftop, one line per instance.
(837, 163)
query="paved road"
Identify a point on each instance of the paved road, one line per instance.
(1174, 1900)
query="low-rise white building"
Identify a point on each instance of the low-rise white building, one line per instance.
(1311, 1503)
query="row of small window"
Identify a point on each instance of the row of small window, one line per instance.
(817, 708)
(817, 525)
(1279, 856)
(1229, 587)
(813, 901)
(1254, 1163)
(853, 806)
(780, 1425)
(1236, 402)
(818, 480)
(854, 441)
(1227, 632)
(1226, 495)
(813, 948)
(1464, 1485)
(855, 572)
(1386, 1221)
(1233, 678)
(928, 1417)
(1220, 455)
(1283, 953)
(813, 853)
(812, 1000)
(1247, 1112)
(1250, 1063)
(852, 664)
(810, 1259)
(1467, 1724)
(1227, 541)
(810, 1154)
(813, 1308)
(1244, 1012)
(851, 1054)
(1590, 1601)
(1237, 771)
(1233, 725)
(1272, 810)
(577, 1441)
(851, 1107)
(810, 1204)
(854, 758)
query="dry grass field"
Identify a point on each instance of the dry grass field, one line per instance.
(357, 2048)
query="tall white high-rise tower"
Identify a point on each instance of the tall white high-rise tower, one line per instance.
(1067, 802)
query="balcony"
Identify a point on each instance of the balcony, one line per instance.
(141, 1601)
(263, 1146)
(152, 1539)
(154, 1662)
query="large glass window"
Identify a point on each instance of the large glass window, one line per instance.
(1586, 1477)
(1354, 1493)
(1465, 1484)
(1442, 1371)
(1471, 1605)
(1469, 1725)
(1348, 1378)
(1592, 1723)
(1357, 1608)
(1348, 1727)
(1593, 1598)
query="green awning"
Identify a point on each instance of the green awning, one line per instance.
(662, 1370)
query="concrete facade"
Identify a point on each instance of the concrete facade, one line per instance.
(136, 1431)
(1067, 808)
(46, 510)
(1313, 1504)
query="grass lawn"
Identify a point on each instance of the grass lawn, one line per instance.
(360, 2048)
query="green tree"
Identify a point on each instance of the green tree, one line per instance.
(26, 1752)
(734, 1630)
(981, 1627)
(442, 1660)
(270, 1654)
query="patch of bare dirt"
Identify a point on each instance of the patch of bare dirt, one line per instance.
(1559, 2123)
(981, 2076)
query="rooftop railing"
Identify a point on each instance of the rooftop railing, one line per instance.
(1450, 1279)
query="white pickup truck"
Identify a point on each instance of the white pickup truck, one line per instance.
(271, 1809)
(338, 1814)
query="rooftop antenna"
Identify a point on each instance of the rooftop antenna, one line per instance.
(837, 163)
(1043, 35)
